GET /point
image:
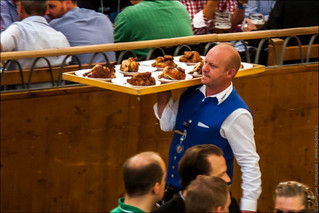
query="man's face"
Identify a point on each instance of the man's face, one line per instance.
(219, 168)
(214, 69)
(289, 204)
(56, 9)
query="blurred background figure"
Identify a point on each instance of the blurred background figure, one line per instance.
(144, 179)
(203, 14)
(9, 13)
(259, 6)
(148, 20)
(32, 33)
(207, 194)
(292, 196)
(81, 27)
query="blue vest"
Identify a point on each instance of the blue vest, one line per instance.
(195, 109)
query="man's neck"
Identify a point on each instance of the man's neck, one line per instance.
(145, 203)
(213, 91)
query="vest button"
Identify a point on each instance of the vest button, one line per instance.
(175, 157)
(173, 167)
(172, 176)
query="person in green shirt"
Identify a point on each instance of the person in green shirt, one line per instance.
(148, 20)
(144, 179)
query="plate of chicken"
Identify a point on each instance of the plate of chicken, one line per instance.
(190, 58)
(171, 74)
(99, 72)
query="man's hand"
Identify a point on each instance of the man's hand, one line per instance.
(249, 26)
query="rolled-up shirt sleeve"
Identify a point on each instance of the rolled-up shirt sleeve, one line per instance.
(239, 130)
(168, 119)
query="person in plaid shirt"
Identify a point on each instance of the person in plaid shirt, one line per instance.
(202, 12)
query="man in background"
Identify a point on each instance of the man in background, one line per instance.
(148, 20)
(207, 194)
(81, 27)
(9, 13)
(33, 33)
(144, 180)
(198, 161)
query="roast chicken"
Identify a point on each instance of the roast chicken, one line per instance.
(99, 71)
(172, 73)
(129, 65)
(197, 68)
(165, 61)
(190, 57)
(142, 79)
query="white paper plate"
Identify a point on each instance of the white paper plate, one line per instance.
(123, 82)
(164, 80)
(176, 58)
(246, 65)
(81, 72)
(141, 69)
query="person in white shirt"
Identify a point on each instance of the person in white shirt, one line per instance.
(33, 32)
(213, 113)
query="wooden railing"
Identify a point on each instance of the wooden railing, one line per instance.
(160, 43)
(46, 74)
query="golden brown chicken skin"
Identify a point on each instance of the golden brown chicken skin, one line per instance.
(173, 73)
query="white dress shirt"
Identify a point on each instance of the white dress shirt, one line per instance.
(33, 33)
(238, 129)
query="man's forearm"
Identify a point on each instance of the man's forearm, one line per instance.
(209, 9)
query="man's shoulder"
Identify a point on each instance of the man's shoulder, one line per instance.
(117, 209)
(81, 18)
(175, 205)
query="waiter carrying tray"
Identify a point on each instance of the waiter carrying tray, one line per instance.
(213, 113)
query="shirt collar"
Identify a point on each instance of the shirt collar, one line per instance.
(127, 208)
(221, 97)
(13, 4)
(181, 195)
(40, 19)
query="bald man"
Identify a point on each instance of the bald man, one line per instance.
(213, 113)
(144, 180)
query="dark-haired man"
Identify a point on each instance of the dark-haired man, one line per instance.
(82, 27)
(144, 180)
(200, 160)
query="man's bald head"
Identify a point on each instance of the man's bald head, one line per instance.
(232, 56)
(141, 172)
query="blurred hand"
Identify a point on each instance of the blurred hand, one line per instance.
(249, 26)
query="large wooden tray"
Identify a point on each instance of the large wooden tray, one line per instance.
(70, 76)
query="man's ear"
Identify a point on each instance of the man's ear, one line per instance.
(20, 6)
(156, 188)
(219, 209)
(69, 5)
(231, 73)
